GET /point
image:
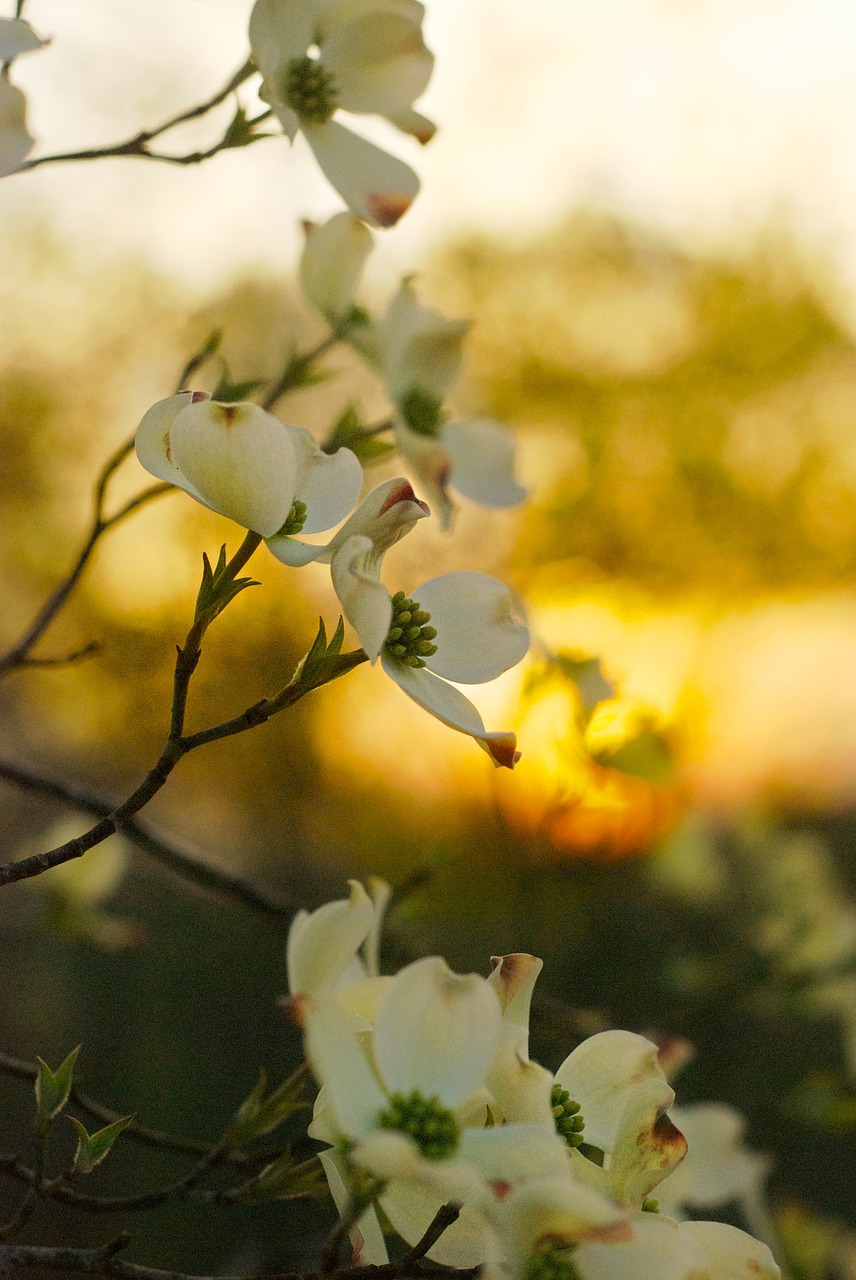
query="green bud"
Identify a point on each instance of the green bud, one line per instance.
(409, 639)
(309, 90)
(566, 1114)
(432, 1126)
(422, 412)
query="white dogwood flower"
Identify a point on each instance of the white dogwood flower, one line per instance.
(332, 262)
(459, 627)
(244, 463)
(316, 58)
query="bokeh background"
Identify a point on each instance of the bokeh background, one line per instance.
(648, 209)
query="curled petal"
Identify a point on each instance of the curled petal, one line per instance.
(450, 706)
(601, 1075)
(513, 978)
(412, 122)
(423, 348)
(379, 62)
(332, 264)
(240, 459)
(436, 1031)
(154, 449)
(322, 944)
(366, 1235)
(353, 1095)
(648, 1146)
(481, 453)
(365, 601)
(329, 484)
(432, 466)
(384, 516)
(375, 185)
(522, 1089)
(478, 634)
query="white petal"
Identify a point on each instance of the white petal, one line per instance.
(436, 1031)
(450, 706)
(379, 62)
(375, 185)
(15, 139)
(354, 1096)
(333, 13)
(732, 1254)
(424, 348)
(659, 1250)
(396, 1158)
(482, 457)
(280, 31)
(478, 635)
(719, 1167)
(240, 459)
(329, 484)
(521, 1089)
(321, 944)
(153, 446)
(411, 1211)
(365, 601)
(380, 893)
(384, 516)
(601, 1075)
(513, 978)
(332, 263)
(510, 1153)
(293, 552)
(412, 122)
(648, 1146)
(430, 462)
(16, 37)
(366, 1236)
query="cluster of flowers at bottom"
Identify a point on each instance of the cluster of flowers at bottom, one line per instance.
(428, 1097)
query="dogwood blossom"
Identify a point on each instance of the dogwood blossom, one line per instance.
(371, 58)
(474, 635)
(332, 262)
(245, 464)
(16, 37)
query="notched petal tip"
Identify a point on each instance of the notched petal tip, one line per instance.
(502, 749)
(403, 492)
(295, 1008)
(386, 209)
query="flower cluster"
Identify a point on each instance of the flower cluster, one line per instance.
(428, 1096)
(273, 479)
(417, 352)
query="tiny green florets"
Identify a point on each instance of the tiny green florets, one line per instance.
(651, 1205)
(309, 90)
(409, 639)
(552, 1262)
(566, 1113)
(296, 520)
(421, 411)
(432, 1126)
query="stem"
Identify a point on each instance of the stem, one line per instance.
(138, 144)
(27, 1207)
(292, 374)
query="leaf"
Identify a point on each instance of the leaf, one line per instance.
(259, 1115)
(93, 1147)
(281, 1180)
(214, 593)
(53, 1087)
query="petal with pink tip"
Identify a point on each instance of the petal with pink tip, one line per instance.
(240, 459)
(436, 1031)
(431, 465)
(648, 1146)
(659, 1250)
(375, 185)
(450, 706)
(478, 633)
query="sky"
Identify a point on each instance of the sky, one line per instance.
(710, 119)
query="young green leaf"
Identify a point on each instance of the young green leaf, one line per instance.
(53, 1087)
(93, 1147)
(281, 1180)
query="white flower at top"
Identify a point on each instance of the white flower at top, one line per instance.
(244, 463)
(365, 57)
(16, 37)
(460, 627)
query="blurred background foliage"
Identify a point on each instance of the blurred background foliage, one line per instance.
(677, 842)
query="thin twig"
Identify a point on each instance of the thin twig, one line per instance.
(443, 1218)
(294, 371)
(138, 144)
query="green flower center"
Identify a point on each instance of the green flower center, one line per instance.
(566, 1114)
(552, 1262)
(421, 411)
(409, 639)
(296, 520)
(651, 1205)
(432, 1126)
(309, 90)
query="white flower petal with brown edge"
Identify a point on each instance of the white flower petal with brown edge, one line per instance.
(321, 944)
(17, 37)
(549, 1210)
(659, 1250)
(482, 456)
(450, 706)
(379, 62)
(513, 978)
(365, 601)
(366, 1236)
(152, 440)
(376, 186)
(478, 633)
(436, 1031)
(16, 142)
(414, 123)
(601, 1075)
(731, 1254)
(240, 459)
(329, 483)
(354, 1097)
(280, 31)
(648, 1145)
(332, 263)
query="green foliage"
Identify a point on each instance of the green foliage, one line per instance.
(259, 1115)
(53, 1087)
(217, 590)
(282, 1179)
(93, 1147)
